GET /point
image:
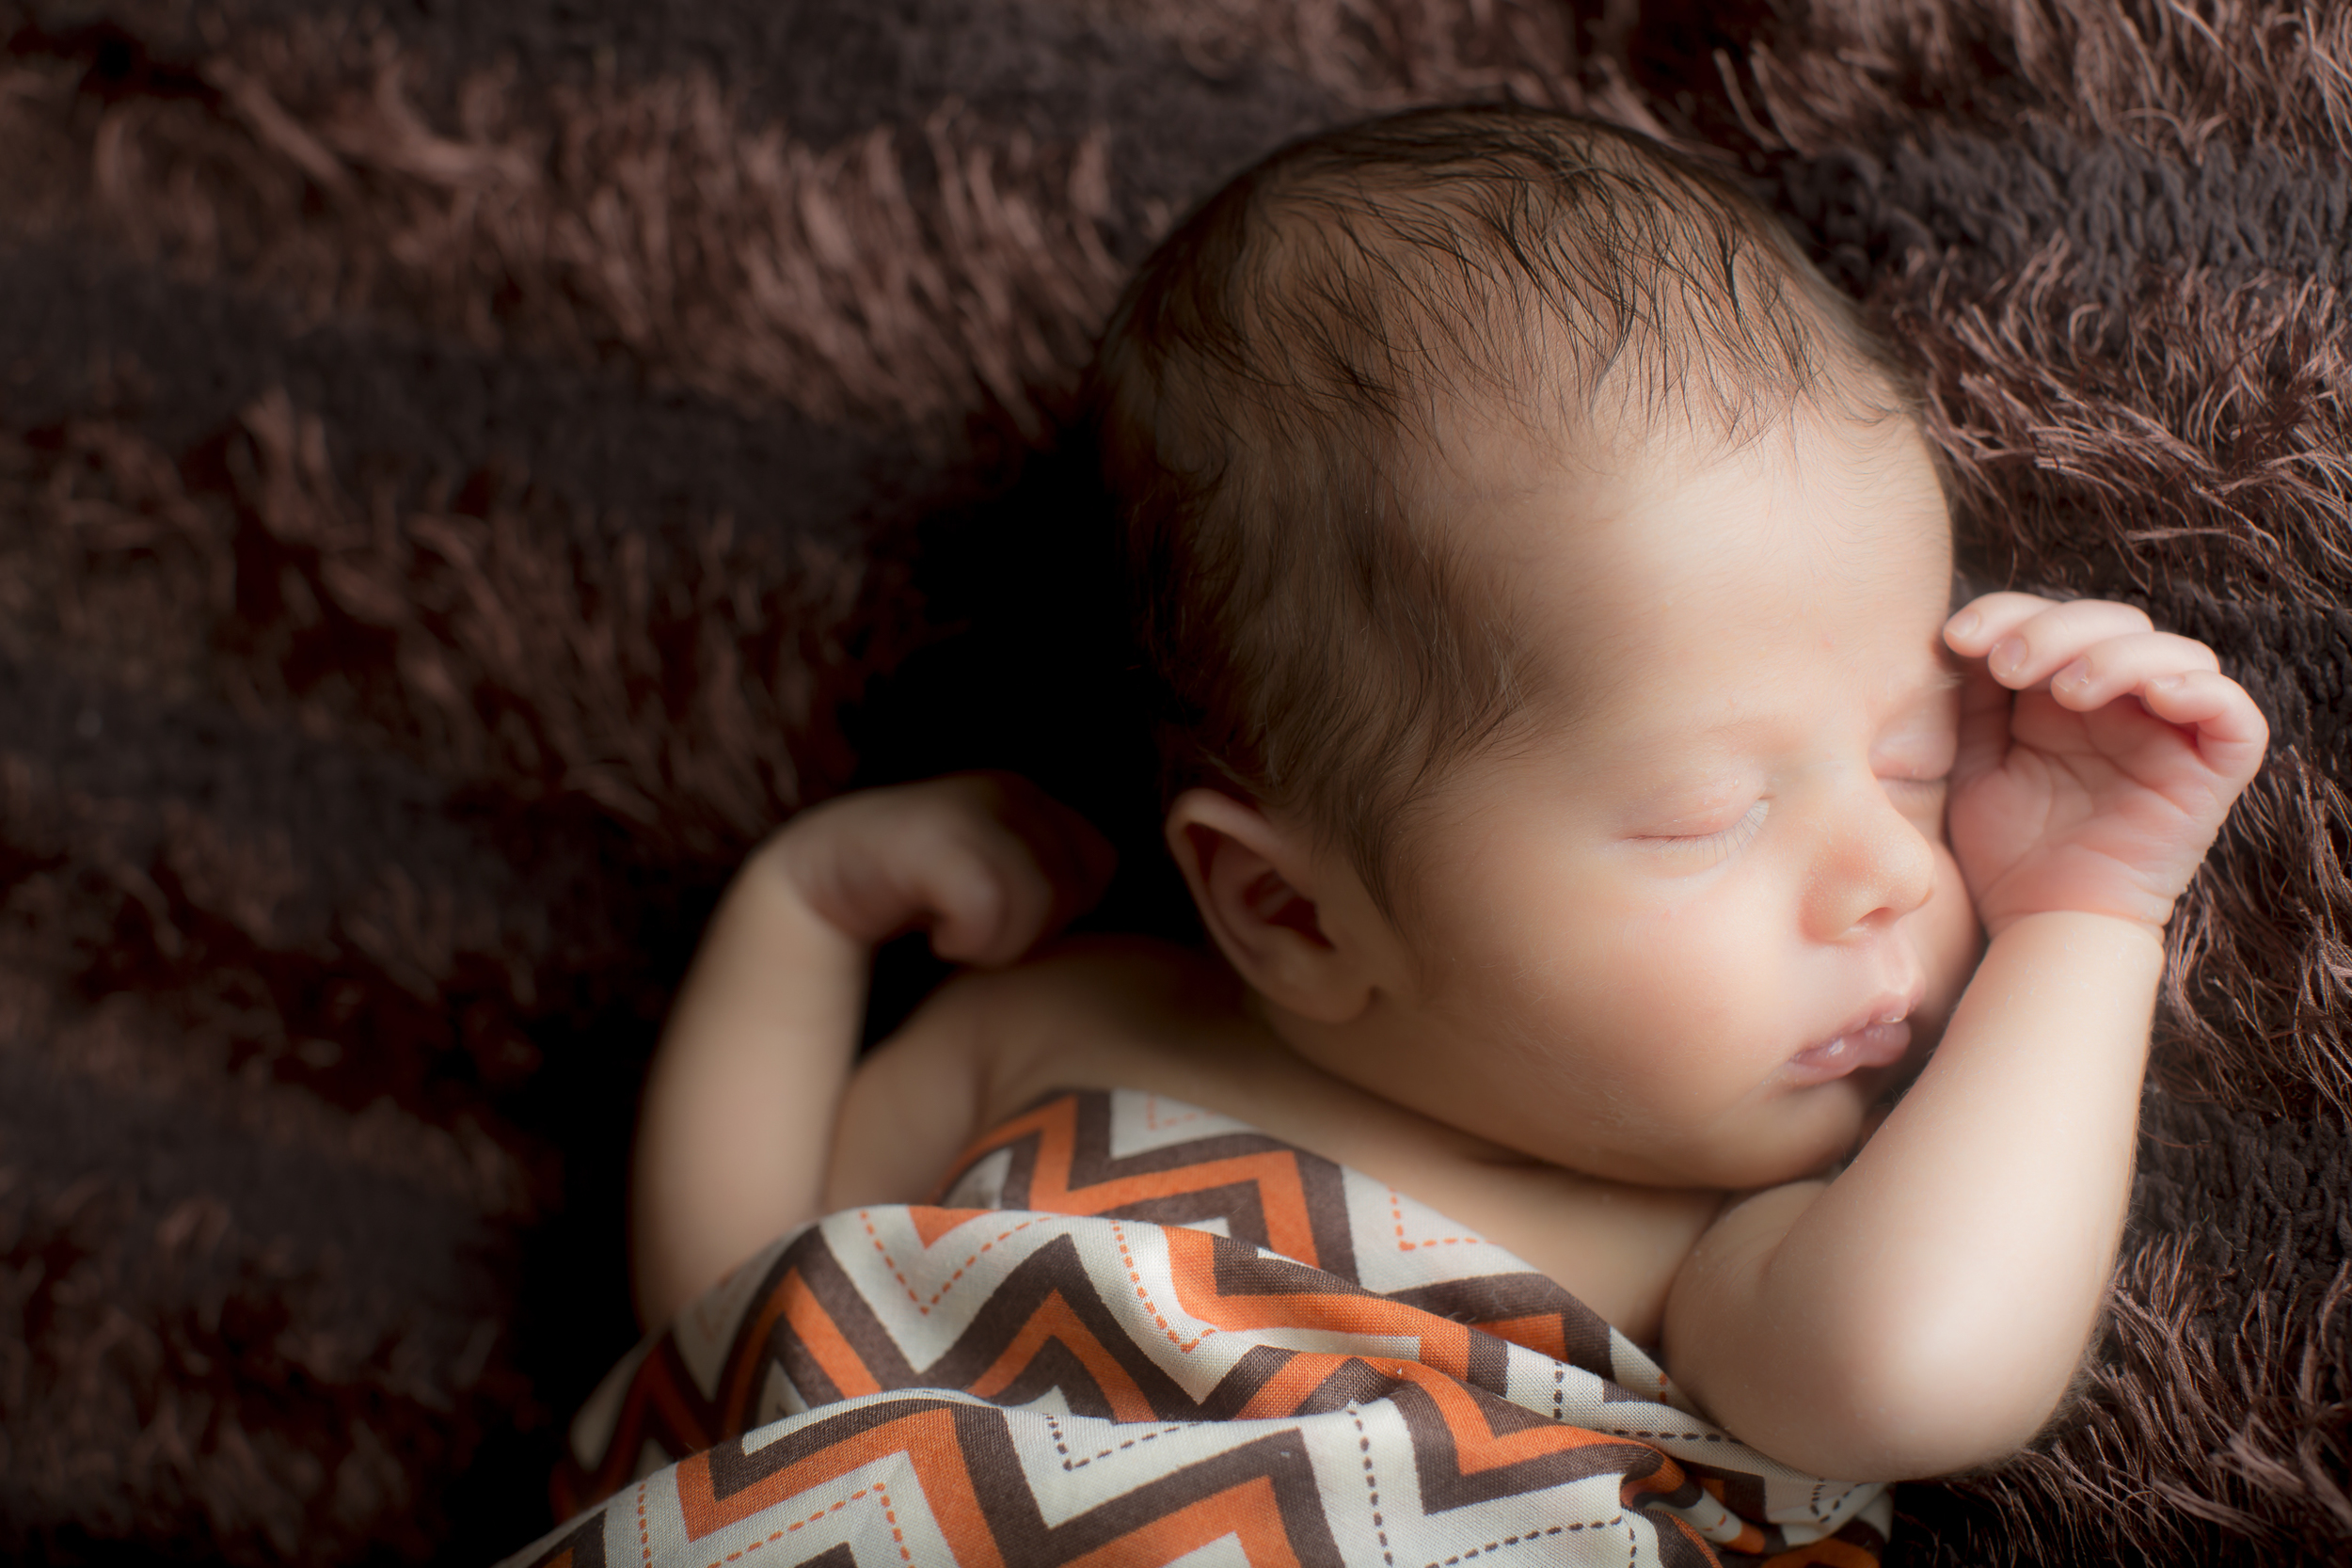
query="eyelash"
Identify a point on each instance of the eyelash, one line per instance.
(1725, 842)
(1734, 838)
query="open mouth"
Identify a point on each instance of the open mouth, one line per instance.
(1879, 1037)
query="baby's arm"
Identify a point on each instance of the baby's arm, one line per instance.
(734, 1139)
(1925, 1311)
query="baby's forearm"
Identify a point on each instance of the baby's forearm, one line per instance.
(738, 1109)
(1927, 1310)
(735, 1144)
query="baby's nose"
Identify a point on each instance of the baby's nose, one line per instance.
(1877, 867)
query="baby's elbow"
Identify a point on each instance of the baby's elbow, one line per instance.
(1920, 1402)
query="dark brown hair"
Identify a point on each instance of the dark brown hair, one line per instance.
(1277, 362)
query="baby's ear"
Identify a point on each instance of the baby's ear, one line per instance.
(1257, 885)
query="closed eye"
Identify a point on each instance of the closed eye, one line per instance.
(1706, 848)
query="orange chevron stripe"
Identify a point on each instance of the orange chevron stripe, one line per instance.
(1054, 1320)
(1667, 1477)
(1249, 1511)
(748, 1355)
(1280, 1195)
(931, 1224)
(677, 1405)
(1291, 1385)
(927, 1438)
(826, 1344)
(1281, 1192)
(574, 1486)
(1192, 1262)
(1750, 1539)
(1541, 1332)
(1478, 1448)
(1056, 1124)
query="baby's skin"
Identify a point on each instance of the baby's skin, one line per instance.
(1774, 833)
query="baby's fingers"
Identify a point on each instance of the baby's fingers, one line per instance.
(2232, 733)
(1988, 617)
(2024, 640)
(1023, 865)
(2107, 670)
(988, 902)
(987, 862)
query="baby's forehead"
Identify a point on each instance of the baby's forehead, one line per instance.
(1584, 546)
(1481, 458)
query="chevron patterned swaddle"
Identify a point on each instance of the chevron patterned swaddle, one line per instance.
(1134, 1332)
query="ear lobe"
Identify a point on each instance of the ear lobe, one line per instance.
(1255, 887)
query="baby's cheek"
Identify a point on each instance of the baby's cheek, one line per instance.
(1687, 984)
(1950, 940)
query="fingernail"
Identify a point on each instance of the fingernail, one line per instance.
(2072, 678)
(2008, 655)
(2167, 683)
(1964, 625)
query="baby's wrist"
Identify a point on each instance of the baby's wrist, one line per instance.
(794, 870)
(2073, 924)
(779, 861)
(2146, 908)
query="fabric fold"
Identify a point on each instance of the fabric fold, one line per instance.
(1131, 1330)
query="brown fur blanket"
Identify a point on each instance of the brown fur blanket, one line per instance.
(468, 467)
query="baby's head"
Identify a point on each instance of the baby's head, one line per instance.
(1503, 494)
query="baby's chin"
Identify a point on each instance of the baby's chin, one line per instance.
(1770, 1137)
(1790, 1138)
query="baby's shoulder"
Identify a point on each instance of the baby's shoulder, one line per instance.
(1100, 981)
(1128, 1013)
(1092, 1012)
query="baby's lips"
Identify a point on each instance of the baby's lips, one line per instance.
(1875, 1044)
(1879, 1044)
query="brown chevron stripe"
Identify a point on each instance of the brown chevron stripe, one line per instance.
(581, 1548)
(1236, 1288)
(1527, 1309)
(1470, 1447)
(316, 870)
(818, 1326)
(1054, 1350)
(1681, 1546)
(1279, 1197)
(1037, 1325)
(1052, 1277)
(983, 1504)
(720, 1486)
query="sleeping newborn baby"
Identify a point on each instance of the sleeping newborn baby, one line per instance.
(1597, 810)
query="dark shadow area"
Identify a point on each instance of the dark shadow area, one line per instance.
(1032, 673)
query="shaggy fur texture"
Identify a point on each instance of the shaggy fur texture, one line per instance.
(467, 471)
(2113, 236)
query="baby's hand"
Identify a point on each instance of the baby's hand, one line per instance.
(2099, 785)
(986, 861)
